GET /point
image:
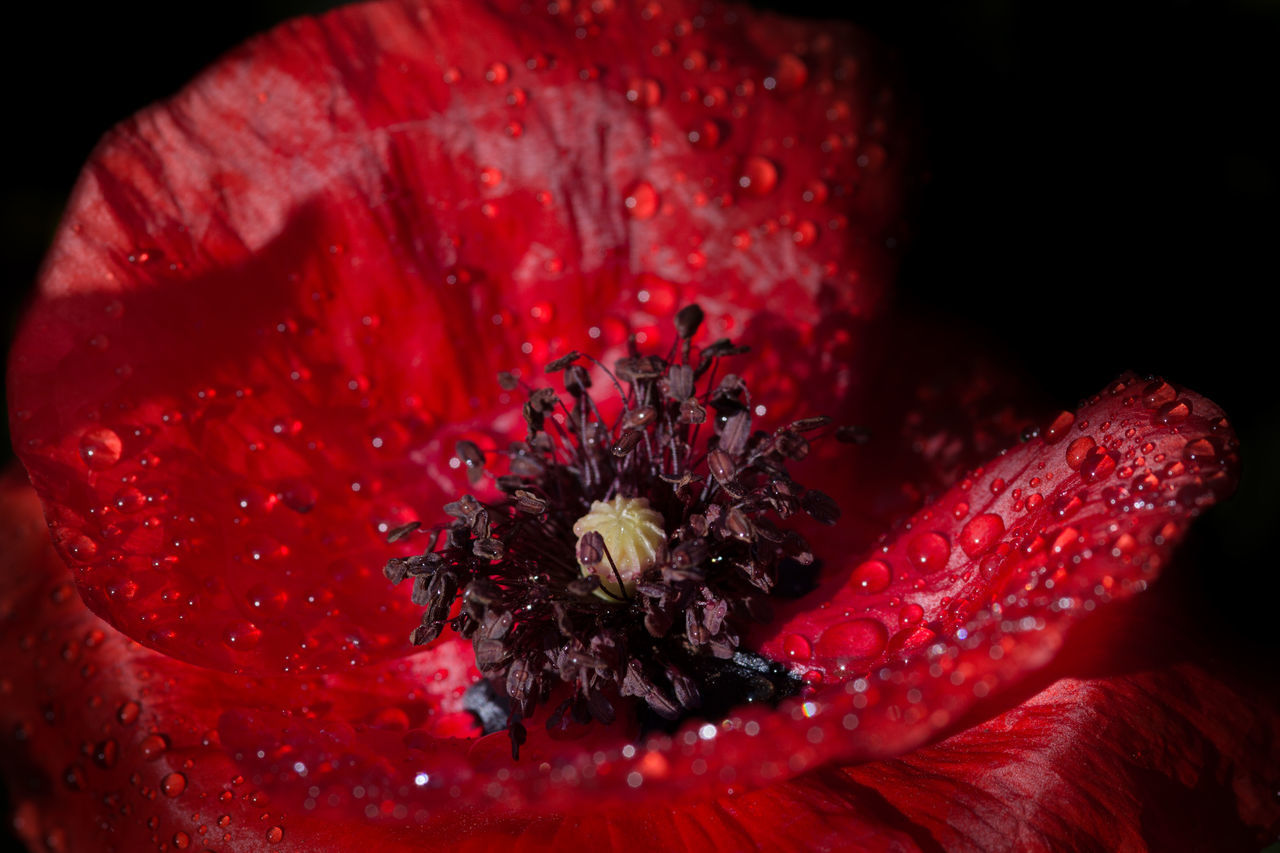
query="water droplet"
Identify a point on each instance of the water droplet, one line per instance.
(1199, 450)
(490, 177)
(1098, 464)
(797, 647)
(1173, 412)
(1157, 394)
(1077, 450)
(1055, 431)
(181, 840)
(705, 134)
(129, 499)
(106, 753)
(805, 233)
(981, 534)
(173, 785)
(153, 746)
(759, 175)
(911, 614)
(100, 448)
(128, 712)
(641, 200)
(275, 835)
(815, 192)
(871, 577)
(498, 72)
(928, 551)
(790, 73)
(854, 641)
(644, 92)
(241, 635)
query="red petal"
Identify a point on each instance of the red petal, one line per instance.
(277, 298)
(1167, 760)
(1115, 761)
(1081, 515)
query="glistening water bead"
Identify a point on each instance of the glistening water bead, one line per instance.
(623, 555)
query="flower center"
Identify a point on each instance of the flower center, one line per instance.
(629, 540)
(623, 555)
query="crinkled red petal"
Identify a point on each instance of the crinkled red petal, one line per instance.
(1084, 513)
(117, 748)
(881, 693)
(1168, 760)
(278, 298)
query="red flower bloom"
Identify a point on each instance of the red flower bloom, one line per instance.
(278, 299)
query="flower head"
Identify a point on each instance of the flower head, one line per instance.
(265, 341)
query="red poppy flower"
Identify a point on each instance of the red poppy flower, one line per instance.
(278, 300)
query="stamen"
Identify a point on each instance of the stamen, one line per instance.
(624, 558)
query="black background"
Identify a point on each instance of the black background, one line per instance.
(1102, 195)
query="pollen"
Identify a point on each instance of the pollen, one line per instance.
(634, 542)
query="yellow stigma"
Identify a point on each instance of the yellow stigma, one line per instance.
(633, 534)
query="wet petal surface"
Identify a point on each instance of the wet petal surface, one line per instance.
(279, 298)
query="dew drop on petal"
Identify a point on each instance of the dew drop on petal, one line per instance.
(497, 73)
(797, 647)
(1078, 450)
(759, 175)
(981, 534)
(275, 835)
(790, 73)
(241, 635)
(1157, 394)
(152, 747)
(855, 640)
(1058, 429)
(128, 712)
(642, 200)
(928, 551)
(173, 785)
(1173, 412)
(911, 614)
(871, 576)
(100, 448)
(644, 92)
(1098, 464)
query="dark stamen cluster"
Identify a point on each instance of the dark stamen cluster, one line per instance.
(544, 630)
